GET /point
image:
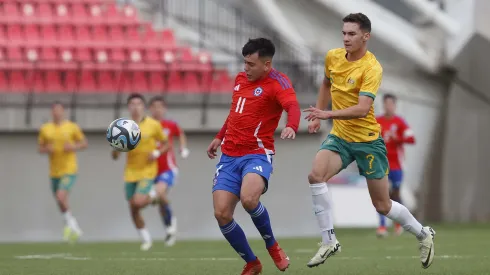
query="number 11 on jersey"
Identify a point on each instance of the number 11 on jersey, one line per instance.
(240, 105)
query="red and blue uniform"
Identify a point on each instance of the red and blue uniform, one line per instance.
(167, 164)
(396, 133)
(248, 132)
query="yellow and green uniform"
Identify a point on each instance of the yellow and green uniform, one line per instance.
(356, 139)
(63, 165)
(140, 172)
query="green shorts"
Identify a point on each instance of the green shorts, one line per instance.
(140, 187)
(65, 182)
(370, 156)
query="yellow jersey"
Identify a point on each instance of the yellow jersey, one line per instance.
(61, 163)
(349, 80)
(138, 165)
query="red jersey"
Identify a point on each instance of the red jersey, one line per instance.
(168, 161)
(396, 133)
(255, 112)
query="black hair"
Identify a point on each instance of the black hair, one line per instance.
(390, 96)
(57, 103)
(263, 46)
(157, 99)
(133, 96)
(359, 18)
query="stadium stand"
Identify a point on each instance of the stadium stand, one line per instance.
(95, 46)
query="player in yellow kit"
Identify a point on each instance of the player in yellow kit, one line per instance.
(352, 78)
(141, 165)
(61, 139)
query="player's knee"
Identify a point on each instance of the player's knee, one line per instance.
(249, 203)
(383, 207)
(61, 197)
(223, 216)
(138, 203)
(315, 177)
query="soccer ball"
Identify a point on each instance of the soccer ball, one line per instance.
(123, 134)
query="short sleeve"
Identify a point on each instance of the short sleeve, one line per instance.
(176, 130)
(159, 134)
(41, 139)
(326, 63)
(77, 133)
(371, 80)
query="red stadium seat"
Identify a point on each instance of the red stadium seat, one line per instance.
(79, 12)
(11, 12)
(96, 14)
(87, 81)
(35, 81)
(17, 81)
(156, 82)
(106, 81)
(3, 82)
(123, 82)
(83, 35)
(53, 82)
(191, 82)
(62, 13)
(174, 82)
(14, 34)
(116, 35)
(48, 34)
(31, 33)
(140, 82)
(84, 55)
(70, 80)
(45, 11)
(168, 38)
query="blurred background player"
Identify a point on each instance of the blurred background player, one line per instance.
(141, 165)
(352, 79)
(396, 133)
(61, 139)
(260, 95)
(167, 166)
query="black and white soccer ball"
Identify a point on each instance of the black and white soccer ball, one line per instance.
(123, 134)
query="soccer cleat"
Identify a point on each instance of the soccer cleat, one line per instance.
(381, 232)
(325, 251)
(66, 233)
(426, 247)
(279, 257)
(252, 268)
(145, 246)
(398, 229)
(171, 237)
(75, 236)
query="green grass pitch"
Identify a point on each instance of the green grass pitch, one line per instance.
(461, 249)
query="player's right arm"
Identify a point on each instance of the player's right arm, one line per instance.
(43, 146)
(115, 154)
(323, 98)
(213, 147)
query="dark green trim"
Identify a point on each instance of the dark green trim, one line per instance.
(368, 94)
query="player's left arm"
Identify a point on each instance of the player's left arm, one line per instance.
(289, 103)
(371, 81)
(184, 151)
(80, 141)
(159, 136)
(407, 134)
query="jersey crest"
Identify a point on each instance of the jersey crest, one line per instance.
(258, 91)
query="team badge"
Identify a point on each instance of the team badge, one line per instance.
(258, 91)
(351, 81)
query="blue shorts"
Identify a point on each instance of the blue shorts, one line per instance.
(395, 177)
(168, 177)
(231, 170)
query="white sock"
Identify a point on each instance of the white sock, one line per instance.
(322, 205)
(71, 222)
(402, 215)
(153, 194)
(145, 235)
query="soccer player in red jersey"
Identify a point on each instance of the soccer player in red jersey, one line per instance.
(396, 133)
(167, 166)
(260, 95)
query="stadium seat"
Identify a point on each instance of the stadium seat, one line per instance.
(168, 38)
(99, 34)
(79, 12)
(139, 82)
(87, 81)
(48, 34)
(83, 35)
(174, 82)
(31, 33)
(3, 82)
(52, 82)
(156, 82)
(17, 81)
(45, 12)
(96, 15)
(106, 81)
(70, 80)
(35, 81)
(191, 82)
(11, 12)
(14, 34)
(62, 13)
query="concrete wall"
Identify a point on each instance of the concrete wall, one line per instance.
(28, 212)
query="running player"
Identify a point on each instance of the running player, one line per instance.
(396, 133)
(352, 78)
(167, 166)
(61, 139)
(141, 165)
(260, 95)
